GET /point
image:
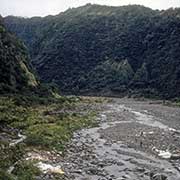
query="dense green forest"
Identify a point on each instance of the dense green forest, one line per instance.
(105, 50)
(32, 115)
(15, 71)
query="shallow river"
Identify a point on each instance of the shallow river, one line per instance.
(135, 140)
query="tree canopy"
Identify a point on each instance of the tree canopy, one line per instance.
(96, 48)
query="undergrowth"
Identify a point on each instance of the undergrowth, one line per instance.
(48, 123)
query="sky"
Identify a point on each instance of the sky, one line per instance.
(29, 8)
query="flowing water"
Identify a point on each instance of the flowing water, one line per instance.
(101, 153)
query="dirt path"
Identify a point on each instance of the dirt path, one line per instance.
(135, 140)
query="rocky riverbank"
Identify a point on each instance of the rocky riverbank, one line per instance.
(133, 141)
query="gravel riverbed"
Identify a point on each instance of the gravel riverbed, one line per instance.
(135, 140)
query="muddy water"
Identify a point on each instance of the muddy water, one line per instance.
(111, 150)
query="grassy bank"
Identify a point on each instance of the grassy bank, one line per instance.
(47, 123)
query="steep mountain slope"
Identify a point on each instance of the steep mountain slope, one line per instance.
(105, 49)
(15, 73)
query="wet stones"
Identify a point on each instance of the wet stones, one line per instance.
(158, 177)
(92, 170)
(112, 151)
(175, 156)
(126, 177)
(139, 169)
(77, 171)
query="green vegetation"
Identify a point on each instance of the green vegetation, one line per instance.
(26, 170)
(15, 73)
(78, 49)
(57, 130)
(2, 29)
(110, 75)
(140, 78)
(5, 176)
(47, 123)
(33, 116)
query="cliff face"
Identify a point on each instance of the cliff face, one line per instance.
(84, 49)
(15, 72)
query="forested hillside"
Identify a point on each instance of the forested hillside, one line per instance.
(15, 72)
(105, 50)
(33, 116)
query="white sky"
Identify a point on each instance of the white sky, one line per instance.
(29, 8)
